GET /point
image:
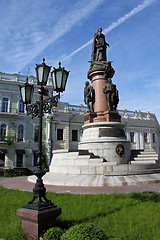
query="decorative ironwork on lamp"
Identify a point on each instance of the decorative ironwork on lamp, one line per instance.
(59, 77)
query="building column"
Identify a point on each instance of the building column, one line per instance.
(150, 139)
(141, 139)
(67, 136)
(49, 154)
(53, 135)
(49, 141)
(157, 142)
(127, 134)
(7, 162)
(49, 129)
(137, 140)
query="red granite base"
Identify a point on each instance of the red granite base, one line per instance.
(35, 222)
(88, 117)
(99, 117)
(107, 116)
(112, 116)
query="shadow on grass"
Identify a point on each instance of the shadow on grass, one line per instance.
(64, 224)
(146, 196)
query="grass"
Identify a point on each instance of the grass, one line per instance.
(125, 216)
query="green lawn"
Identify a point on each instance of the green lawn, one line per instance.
(125, 216)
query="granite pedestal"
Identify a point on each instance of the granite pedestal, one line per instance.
(103, 139)
(35, 222)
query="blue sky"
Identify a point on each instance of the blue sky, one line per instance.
(62, 30)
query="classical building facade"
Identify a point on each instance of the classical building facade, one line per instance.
(18, 132)
(62, 129)
(142, 128)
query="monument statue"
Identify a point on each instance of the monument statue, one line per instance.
(100, 74)
(99, 47)
(112, 95)
(89, 96)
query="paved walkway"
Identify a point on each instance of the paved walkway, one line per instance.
(21, 183)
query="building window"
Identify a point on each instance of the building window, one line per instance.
(145, 137)
(60, 134)
(2, 159)
(20, 106)
(36, 133)
(35, 158)
(20, 132)
(4, 105)
(132, 136)
(3, 132)
(19, 158)
(74, 135)
(153, 138)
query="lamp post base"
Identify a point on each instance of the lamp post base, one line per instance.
(41, 215)
(34, 222)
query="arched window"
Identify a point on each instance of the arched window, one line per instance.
(3, 131)
(20, 132)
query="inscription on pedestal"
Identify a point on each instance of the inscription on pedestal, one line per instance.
(111, 132)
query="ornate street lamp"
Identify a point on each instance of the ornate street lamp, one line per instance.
(42, 71)
(59, 76)
(26, 92)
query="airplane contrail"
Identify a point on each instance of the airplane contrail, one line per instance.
(115, 24)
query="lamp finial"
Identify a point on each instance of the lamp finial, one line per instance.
(59, 64)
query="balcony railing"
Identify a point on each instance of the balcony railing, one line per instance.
(81, 110)
(66, 108)
(20, 78)
(12, 111)
(137, 115)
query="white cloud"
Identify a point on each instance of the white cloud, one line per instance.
(26, 36)
(135, 10)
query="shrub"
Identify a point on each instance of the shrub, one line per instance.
(53, 233)
(114, 239)
(1, 172)
(84, 231)
(9, 172)
(14, 172)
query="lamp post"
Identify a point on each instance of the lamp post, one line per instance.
(59, 80)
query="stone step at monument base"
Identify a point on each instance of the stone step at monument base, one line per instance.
(82, 168)
(108, 171)
(143, 161)
(73, 159)
(81, 162)
(136, 152)
(98, 180)
(147, 156)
